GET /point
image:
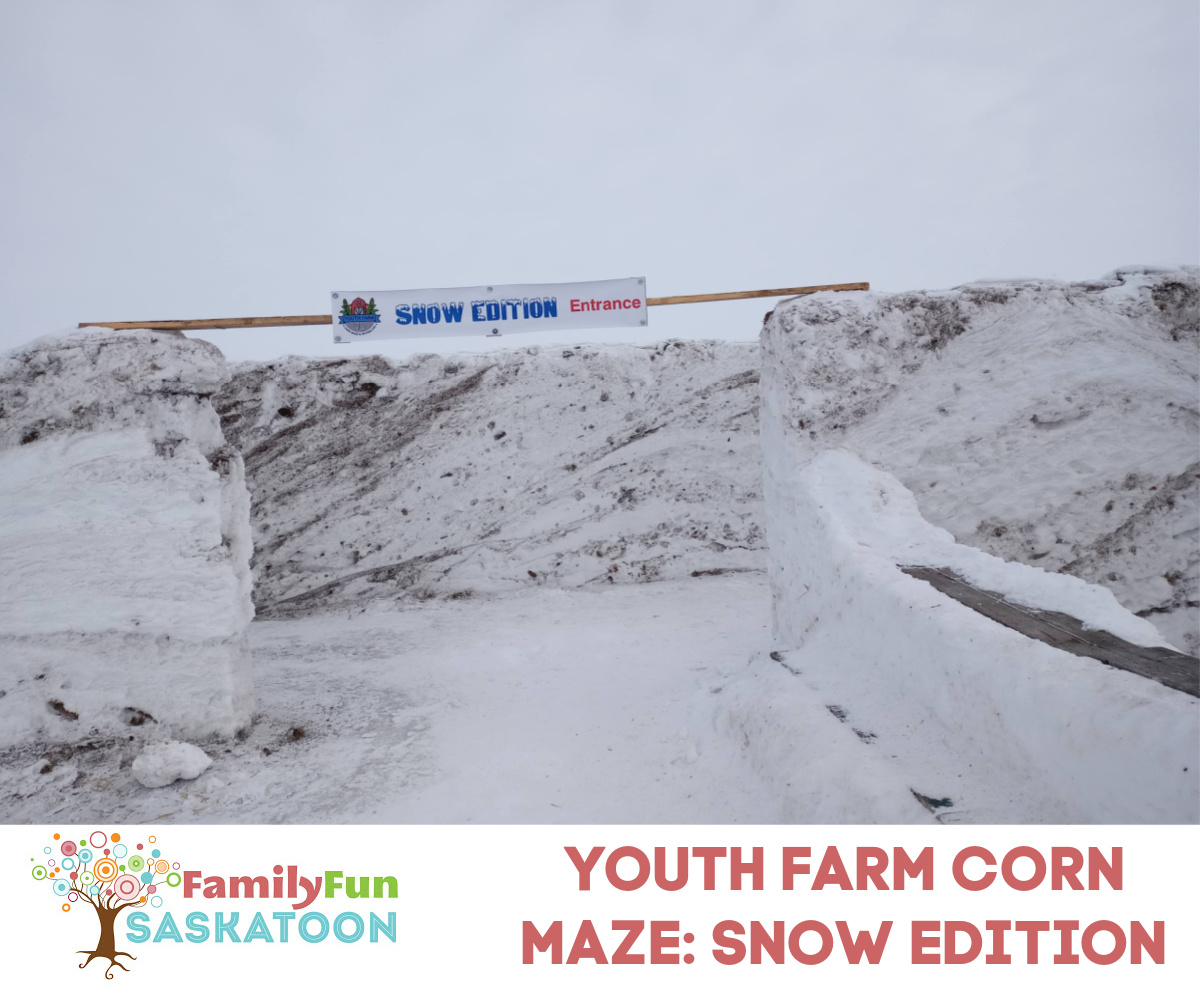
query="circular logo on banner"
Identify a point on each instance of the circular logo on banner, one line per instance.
(359, 317)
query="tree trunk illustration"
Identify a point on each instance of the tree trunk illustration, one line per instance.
(106, 947)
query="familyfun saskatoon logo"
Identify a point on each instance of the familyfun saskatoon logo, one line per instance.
(359, 317)
(109, 873)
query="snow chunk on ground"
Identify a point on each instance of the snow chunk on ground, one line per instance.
(983, 723)
(160, 764)
(125, 540)
(1054, 424)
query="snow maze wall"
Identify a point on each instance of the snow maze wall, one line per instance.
(1048, 423)
(1052, 421)
(124, 541)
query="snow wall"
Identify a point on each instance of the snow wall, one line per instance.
(124, 541)
(442, 475)
(1081, 742)
(1020, 409)
(1048, 423)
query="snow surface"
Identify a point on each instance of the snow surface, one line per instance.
(1049, 423)
(489, 472)
(124, 539)
(967, 711)
(414, 523)
(599, 704)
(161, 764)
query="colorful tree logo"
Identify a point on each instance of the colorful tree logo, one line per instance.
(101, 871)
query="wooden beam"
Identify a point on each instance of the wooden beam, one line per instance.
(233, 323)
(765, 293)
(1062, 631)
(244, 322)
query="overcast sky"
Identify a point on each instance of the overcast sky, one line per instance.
(183, 160)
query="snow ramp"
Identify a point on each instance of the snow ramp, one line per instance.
(376, 479)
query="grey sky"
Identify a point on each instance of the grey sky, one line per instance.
(167, 160)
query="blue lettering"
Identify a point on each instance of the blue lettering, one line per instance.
(550, 307)
(388, 929)
(452, 311)
(493, 311)
(418, 314)
(314, 927)
(257, 931)
(283, 919)
(224, 928)
(435, 314)
(535, 308)
(403, 315)
(167, 929)
(197, 922)
(137, 928)
(477, 315)
(340, 934)
(320, 919)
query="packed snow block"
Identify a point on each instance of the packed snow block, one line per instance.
(124, 541)
(488, 472)
(1054, 424)
(1088, 742)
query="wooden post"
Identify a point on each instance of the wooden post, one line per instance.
(325, 319)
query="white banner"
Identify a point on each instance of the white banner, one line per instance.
(488, 310)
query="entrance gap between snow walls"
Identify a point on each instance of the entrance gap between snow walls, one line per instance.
(125, 596)
(1045, 426)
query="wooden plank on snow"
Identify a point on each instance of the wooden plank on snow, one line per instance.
(1062, 631)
